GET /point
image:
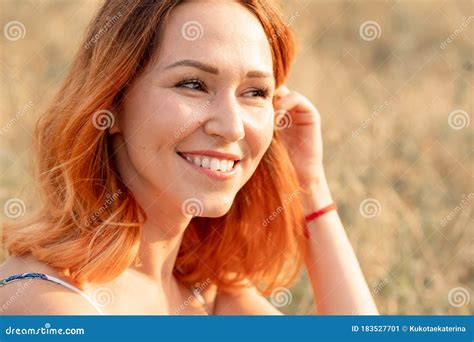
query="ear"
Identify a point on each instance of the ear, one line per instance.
(115, 128)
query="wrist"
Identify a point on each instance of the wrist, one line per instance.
(316, 194)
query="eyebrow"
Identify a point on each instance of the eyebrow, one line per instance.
(213, 70)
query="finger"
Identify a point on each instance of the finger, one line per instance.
(294, 101)
(281, 92)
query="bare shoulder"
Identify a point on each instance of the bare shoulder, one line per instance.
(36, 296)
(22, 264)
(243, 301)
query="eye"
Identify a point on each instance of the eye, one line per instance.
(194, 84)
(259, 92)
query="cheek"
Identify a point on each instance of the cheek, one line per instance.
(260, 133)
(148, 127)
(155, 119)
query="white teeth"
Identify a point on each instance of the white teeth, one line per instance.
(205, 162)
(215, 164)
(223, 165)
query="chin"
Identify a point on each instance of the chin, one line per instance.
(216, 213)
(218, 210)
(212, 208)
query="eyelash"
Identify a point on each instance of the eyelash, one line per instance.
(263, 92)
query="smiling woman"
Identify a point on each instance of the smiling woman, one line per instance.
(161, 171)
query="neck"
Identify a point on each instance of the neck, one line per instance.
(159, 247)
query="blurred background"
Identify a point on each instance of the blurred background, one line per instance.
(393, 81)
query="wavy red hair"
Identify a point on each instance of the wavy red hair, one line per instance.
(76, 174)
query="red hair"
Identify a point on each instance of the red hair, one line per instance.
(260, 238)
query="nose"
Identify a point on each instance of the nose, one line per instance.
(225, 119)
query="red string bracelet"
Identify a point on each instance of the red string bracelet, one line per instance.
(317, 214)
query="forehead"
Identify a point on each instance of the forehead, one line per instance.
(223, 33)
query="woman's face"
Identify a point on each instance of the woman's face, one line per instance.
(210, 89)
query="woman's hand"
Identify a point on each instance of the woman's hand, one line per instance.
(299, 124)
(331, 257)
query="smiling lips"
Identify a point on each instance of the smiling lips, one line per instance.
(211, 163)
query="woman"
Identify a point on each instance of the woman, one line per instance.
(170, 184)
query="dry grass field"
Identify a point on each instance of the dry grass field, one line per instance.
(394, 83)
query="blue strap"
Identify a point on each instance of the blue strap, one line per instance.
(22, 276)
